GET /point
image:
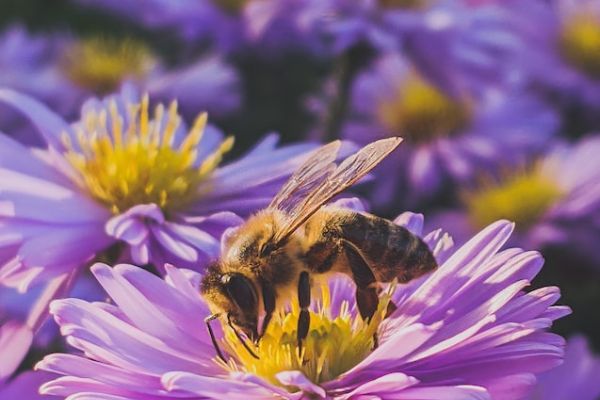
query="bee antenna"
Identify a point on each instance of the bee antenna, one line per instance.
(208, 320)
(241, 338)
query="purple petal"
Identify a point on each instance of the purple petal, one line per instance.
(299, 380)
(50, 125)
(15, 340)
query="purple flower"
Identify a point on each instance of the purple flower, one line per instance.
(123, 183)
(554, 202)
(276, 26)
(466, 331)
(576, 378)
(194, 22)
(265, 26)
(446, 39)
(64, 71)
(450, 138)
(562, 50)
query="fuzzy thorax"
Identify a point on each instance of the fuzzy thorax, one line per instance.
(123, 162)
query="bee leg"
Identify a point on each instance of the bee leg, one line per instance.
(215, 344)
(304, 302)
(367, 299)
(269, 304)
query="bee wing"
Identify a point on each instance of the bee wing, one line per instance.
(336, 181)
(306, 178)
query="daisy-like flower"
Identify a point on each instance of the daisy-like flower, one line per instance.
(68, 70)
(268, 27)
(576, 378)
(475, 43)
(123, 181)
(553, 201)
(216, 22)
(466, 331)
(563, 48)
(450, 137)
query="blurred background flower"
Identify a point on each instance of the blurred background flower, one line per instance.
(66, 70)
(451, 138)
(553, 200)
(576, 378)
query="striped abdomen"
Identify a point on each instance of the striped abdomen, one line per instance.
(391, 251)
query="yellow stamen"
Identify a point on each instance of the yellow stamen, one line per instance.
(580, 43)
(421, 112)
(139, 164)
(332, 347)
(521, 197)
(101, 64)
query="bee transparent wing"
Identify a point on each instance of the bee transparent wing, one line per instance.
(345, 175)
(306, 178)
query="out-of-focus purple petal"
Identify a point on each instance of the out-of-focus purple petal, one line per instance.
(50, 125)
(15, 340)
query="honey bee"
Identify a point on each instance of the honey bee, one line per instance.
(279, 250)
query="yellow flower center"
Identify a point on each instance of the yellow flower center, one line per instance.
(231, 6)
(421, 112)
(333, 346)
(101, 64)
(406, 4)
(123, 166)
(580, 44)
(523, 197)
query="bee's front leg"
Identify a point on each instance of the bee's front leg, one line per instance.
(304, 302)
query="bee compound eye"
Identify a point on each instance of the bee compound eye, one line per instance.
(242, 292)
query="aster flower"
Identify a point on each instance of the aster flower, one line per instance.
(576, 378)
(121, 182)
(216, 22)
(554, 201)
(67, 70)
(475, 43)
(467, 331)
(450, 137)
(562, 51)
(229, 26)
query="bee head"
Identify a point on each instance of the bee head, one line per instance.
(235, 296)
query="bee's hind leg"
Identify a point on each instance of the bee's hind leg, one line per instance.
(304, 302)
(367, 298)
